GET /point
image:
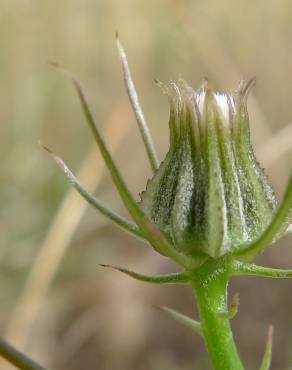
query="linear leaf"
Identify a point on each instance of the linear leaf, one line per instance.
(267, 359)
(126, 225)
(182, 319)
(134, 100)
(178, 277)
(242, 268)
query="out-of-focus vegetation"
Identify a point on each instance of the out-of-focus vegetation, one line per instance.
(92, 318)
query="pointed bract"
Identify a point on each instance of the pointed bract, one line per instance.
(134, 100)
(267, 359)
(182, 319)
(174, 278)
(242, 268)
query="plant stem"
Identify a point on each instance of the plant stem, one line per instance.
(210, 286)
(17, 358)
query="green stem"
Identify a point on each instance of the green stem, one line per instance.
(17, 358)
(210, 286)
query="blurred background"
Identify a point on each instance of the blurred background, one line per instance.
(56, 303)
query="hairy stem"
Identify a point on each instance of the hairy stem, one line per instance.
(210, 286)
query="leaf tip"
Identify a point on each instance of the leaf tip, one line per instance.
(159, 308)
(270, 335)
(58, 160)
(54, 64)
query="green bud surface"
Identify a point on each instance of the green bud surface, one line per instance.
(209, 195)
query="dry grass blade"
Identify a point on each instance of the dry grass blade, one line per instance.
(61, 232)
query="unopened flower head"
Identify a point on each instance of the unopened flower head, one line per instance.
(209, 195)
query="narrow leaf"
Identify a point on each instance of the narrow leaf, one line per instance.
(155, 237)
(182, 319)
(242, 268)
(152, 233)
(134, 100)
(267, 359)
(118, 220)
(178, 277)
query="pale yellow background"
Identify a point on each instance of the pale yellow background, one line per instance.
(92, 318)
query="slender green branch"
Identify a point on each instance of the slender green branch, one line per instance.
(126, 225)
(242, 268)
(182, 319)
(17, 358)
(177, 277)
(134, 100)
(280, 218)
(267, 359)
(233, 309)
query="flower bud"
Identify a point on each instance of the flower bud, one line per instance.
(209, 195)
